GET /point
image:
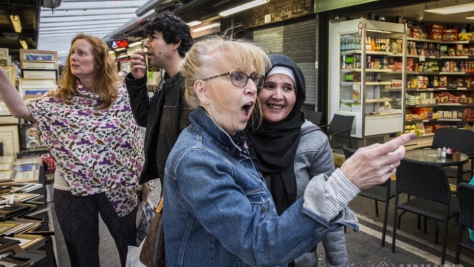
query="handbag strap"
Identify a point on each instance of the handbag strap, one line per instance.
(160, 206)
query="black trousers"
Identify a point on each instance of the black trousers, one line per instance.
(78, 217)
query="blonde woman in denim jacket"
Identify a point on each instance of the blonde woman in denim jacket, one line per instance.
(288, 157)
(217, 209)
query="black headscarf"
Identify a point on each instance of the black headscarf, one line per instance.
(275, 144)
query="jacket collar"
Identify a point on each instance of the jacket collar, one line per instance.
(204, 124)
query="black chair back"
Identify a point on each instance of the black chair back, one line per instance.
(428, 183)
(413, 178)
(313, 116)
(457, 139)
(465, 193)
(340, 123)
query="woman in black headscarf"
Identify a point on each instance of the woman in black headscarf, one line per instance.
(291, 150)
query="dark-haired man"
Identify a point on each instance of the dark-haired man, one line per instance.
(165, 114)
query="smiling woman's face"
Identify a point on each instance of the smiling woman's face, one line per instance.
(277, 97)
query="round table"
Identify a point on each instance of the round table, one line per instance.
(431, 155)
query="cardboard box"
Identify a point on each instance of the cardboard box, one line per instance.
(450, 35)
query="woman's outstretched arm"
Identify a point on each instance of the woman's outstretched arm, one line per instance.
(15, 103)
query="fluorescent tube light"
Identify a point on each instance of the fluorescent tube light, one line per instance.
(193, 23)
(16, 23)
(207, 27)
(243, 7)
(23, 44)
(452, 9)
(135, 44)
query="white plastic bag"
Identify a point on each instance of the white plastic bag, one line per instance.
(133, 256)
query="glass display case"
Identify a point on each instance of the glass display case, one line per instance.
(367, 75)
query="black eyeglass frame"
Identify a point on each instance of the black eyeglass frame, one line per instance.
(256, 76)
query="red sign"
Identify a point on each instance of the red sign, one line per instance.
(119, 44)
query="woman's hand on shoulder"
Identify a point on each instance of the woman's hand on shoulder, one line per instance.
(373, 165)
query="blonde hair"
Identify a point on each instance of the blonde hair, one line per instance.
(209, 52)
(105, 82)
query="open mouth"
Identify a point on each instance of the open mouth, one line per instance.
(247, 109)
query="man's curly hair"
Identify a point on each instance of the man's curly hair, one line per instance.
(174, 30)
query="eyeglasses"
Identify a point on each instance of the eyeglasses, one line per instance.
(240, 79)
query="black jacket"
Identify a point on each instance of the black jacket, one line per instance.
(164, 115)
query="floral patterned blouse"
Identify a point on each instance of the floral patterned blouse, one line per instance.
(95, 150)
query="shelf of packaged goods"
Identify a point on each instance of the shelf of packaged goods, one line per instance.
(454, 57)
(421, 106)
(425, 57)
(449, 120)
(366, 83)
(415, 121)
(395, 89)
(439, 105)
(434, 120)
(456, 42)
(452, 73)
(367, 70)
(347, 83)
(379, 70)
(455, 89)
(422, 40)
(374, 53)
(438, 89)
(378, 83)
(422, 72)
(378, 100)
(451, 104)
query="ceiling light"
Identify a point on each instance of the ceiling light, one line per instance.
(23, 44)
(16, 23)
(207, 27)
(452, 9)
(135, 44)
(193, 23)
(243, 7)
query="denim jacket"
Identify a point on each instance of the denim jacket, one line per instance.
(218, 211)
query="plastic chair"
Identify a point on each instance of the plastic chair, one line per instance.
(382, 193)
(466, 216)
(459, 140)
(428, 184)
(340, 127)
(313, 116)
